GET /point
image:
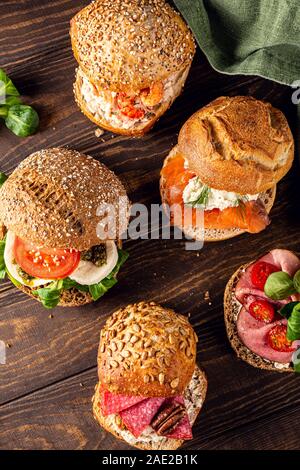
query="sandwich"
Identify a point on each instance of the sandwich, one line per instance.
(134, 57)
(220, 180)
(150, 388)
(50, 215)
(262, 312)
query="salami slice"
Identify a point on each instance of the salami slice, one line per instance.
(112, 403)
(139, 416)
(183, 429)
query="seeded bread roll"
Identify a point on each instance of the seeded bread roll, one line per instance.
(52, 199)
(238, 144)
(126, 45)
(147, 350)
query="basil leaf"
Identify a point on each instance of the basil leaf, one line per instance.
(22, 120)
(287, 309)
(293, 329)
(296, 281)
(3, 178)
(50, 295)
(279, 286)
(2, 262)
(98, 290)
(7, 88)
(70, 284)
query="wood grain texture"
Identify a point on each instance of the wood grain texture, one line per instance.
(42, 404)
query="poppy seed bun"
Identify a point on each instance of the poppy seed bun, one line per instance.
(141, 127)
(52, 197)
(238, 144)
(194, 397)
(210, 234)
(126, 45)
(231, 311)
(146, 350)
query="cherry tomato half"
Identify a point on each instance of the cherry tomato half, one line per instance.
(45, 263)
(277, 339)
(260, 273)
(262, 310)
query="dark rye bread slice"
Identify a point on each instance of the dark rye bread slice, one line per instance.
(197, 390)
(232, 308)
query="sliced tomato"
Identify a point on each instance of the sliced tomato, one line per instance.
(262, 310)
(260, 273)
(277, 339)
(45, 263)
(127, 106)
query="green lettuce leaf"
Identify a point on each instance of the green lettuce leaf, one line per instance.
(7, 88)
(2, 262)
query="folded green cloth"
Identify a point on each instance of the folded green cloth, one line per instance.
(251, 37)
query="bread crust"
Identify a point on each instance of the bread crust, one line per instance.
(126, 58)
(146, 350)
(107, 422)
(231, 311)
(52, 198)
(211, 235)
(238, 144)
(68, 298)
(137, 131)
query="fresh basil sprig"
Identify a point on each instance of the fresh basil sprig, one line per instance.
(279, 286)
(296, 281)
(291, 311)
(21, 119)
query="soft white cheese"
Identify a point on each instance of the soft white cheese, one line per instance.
(216, 198)
(88, 273)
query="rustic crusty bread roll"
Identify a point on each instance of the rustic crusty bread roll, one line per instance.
(127, 46)
(238, 144)
(53, 196)
(231, 311)
(210, 234)
(150, 351)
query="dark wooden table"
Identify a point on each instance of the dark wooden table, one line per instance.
(48, 381)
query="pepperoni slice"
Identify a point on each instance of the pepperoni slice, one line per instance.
(112, 403)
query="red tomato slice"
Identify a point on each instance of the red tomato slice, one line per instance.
(260, 273)
(277, 339)
(45, 263)
(127, 106)
(262, 310)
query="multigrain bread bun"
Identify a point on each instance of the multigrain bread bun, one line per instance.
(126, 45)
(203, 233)
(194, 395)
(140, 128)
(52, 199)
(231, 311)
(146, 350)
(238, 144)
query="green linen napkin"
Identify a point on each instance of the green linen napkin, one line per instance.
(251, 37)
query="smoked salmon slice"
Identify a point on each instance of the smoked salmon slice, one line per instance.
(250, 216)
